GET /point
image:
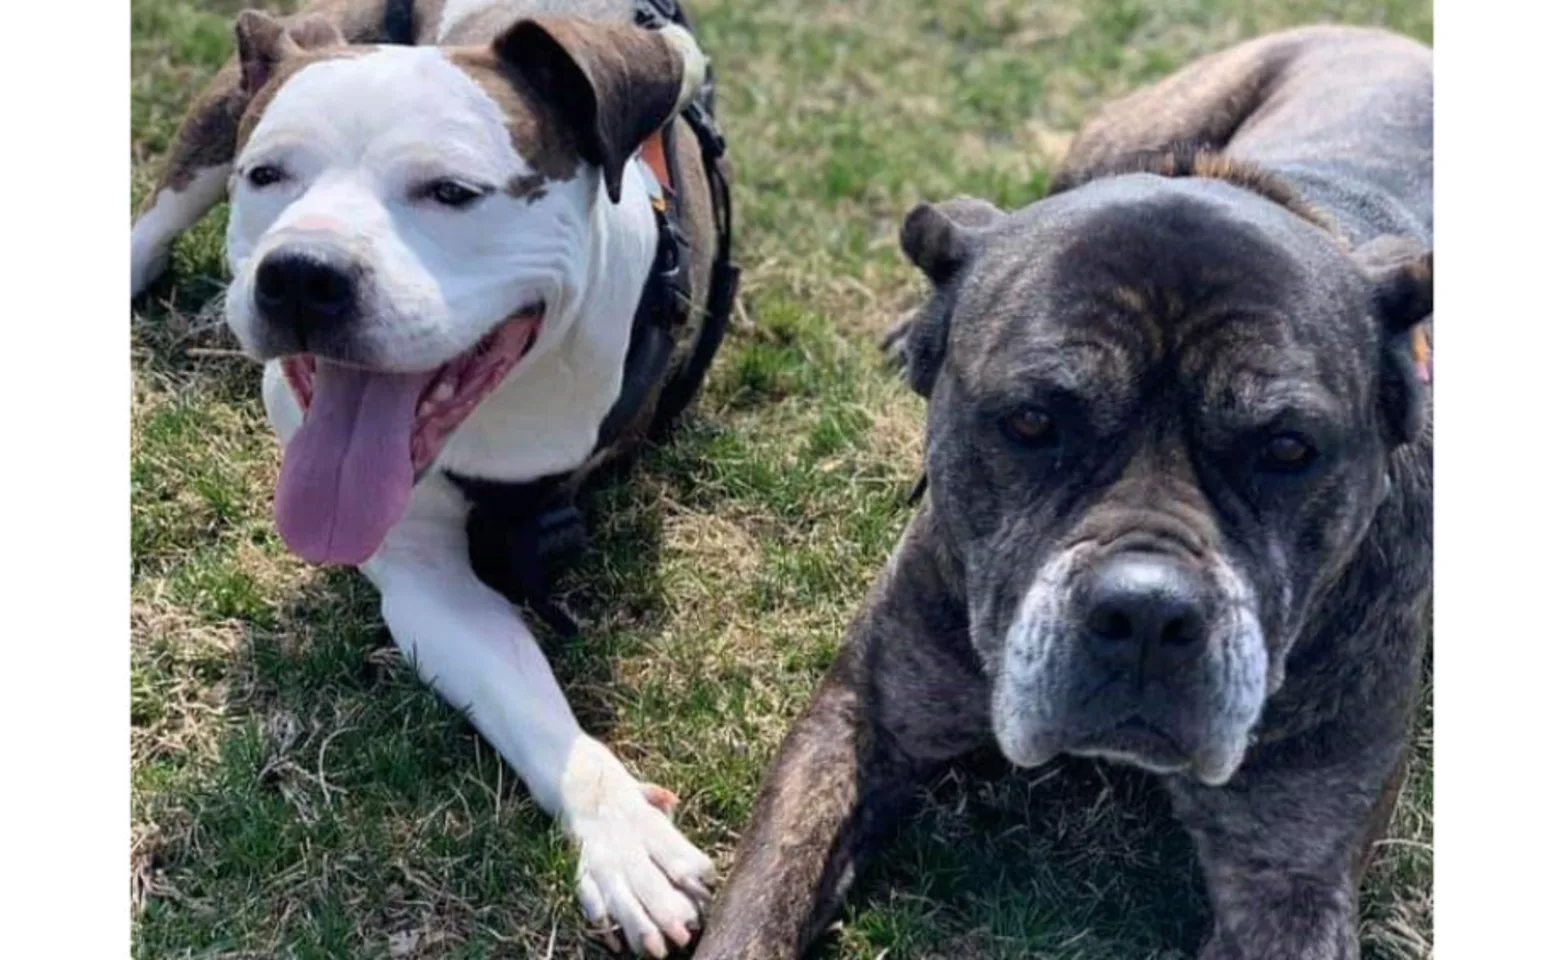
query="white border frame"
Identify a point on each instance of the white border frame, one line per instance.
(1499, 643)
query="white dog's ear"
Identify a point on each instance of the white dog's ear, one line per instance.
(265, 42)
(616, 84)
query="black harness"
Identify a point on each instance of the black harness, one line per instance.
(522, 536)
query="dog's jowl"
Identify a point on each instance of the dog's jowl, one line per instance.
(481, 248)
(1178, 509)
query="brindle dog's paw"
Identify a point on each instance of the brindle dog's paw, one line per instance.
(637, 874)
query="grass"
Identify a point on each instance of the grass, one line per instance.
(297, 793)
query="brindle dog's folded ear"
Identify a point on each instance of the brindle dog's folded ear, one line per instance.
(1401, 283)
(940, 239)
(264, 43)
(616, 84)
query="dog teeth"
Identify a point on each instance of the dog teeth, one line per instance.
(442, 393)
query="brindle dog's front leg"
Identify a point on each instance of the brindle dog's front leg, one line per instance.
(1283, 853)
(836, 782)
(904, 694)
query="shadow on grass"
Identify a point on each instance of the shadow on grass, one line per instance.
(1075, 859)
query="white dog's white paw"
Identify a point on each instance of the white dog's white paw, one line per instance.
(635, 870)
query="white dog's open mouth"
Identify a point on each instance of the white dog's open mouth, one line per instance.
(348, 472)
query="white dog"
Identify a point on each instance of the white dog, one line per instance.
(439, 252)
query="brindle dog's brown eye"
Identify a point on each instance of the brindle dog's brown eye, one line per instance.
(264, 175)
(1031, 426)
(1286, 452)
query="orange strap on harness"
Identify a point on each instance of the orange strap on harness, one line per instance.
(1422, 354)
(654, 156)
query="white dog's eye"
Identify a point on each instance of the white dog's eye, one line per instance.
(264, 175)
(450, 193)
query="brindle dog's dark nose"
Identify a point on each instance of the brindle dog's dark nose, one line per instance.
(306, 290)
(1145, 612)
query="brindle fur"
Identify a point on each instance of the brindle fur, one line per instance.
(1319, 143)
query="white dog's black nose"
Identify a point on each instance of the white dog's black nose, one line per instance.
(305, 290)
(1145, 612)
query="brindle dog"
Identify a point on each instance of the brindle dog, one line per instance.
(1178, 508)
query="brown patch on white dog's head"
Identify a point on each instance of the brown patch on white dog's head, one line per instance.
(531, 187)
(538, 131)
(209, 137)
(265, 43)
(270, 51)
(580, 90)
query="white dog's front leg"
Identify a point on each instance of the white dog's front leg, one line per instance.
(169, 212)
(470, 644)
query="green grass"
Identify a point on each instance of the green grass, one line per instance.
(297, 793)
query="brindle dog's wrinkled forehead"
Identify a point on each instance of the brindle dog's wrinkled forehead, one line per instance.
(1140, 282)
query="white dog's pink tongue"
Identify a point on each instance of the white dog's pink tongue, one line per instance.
(347, 474)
